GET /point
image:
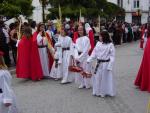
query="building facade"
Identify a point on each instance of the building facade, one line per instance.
(136, 11)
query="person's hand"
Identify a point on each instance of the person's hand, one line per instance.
(77, 61)
(7, 104)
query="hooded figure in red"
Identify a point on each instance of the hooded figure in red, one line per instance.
(143, 77)
(23, 67)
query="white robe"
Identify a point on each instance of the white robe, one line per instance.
(103, 83)
(82, 45)
(42, 41)
(66, 42)
(57, 72)
(8, 95)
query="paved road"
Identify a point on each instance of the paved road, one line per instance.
(49, 96)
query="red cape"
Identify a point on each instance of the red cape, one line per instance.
(36, 68)
(23, 60)
(91, 37)
(143, 76)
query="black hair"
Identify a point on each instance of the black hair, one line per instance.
(105, 37)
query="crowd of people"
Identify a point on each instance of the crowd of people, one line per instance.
(52, 51)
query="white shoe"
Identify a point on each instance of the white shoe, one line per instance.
(88, 87)
(63, 82)
(102, 96)
(81, 86)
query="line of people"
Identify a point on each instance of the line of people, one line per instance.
(38, 57)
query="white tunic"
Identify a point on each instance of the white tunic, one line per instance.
(66, 42)
(57, 72)
(82, 45)
(7, 96)
(103, 83)
(42, 41)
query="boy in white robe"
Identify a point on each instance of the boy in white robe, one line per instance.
(65, 42)
(7, 97)
(104, 53)
(56, 71)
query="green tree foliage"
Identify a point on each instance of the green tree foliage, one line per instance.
(13, 8)
(89, 8)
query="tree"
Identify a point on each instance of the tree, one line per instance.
(89, 8)
(13, 8)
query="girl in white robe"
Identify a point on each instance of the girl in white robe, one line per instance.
(7, 97)
(82, 47)
(42, 42)
(104, 53)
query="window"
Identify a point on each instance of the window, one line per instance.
(120, 3)
(136, 4)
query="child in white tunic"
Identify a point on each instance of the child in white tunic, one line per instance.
(7, 97)
(56, 71)
(104, 53)
(82, 48)
(65, 42)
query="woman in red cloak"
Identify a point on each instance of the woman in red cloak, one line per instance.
(143, 77)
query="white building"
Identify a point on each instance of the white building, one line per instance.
(37, 12)
(136, 11)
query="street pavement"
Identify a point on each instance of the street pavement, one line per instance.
(48, 96)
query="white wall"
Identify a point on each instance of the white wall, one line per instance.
(128, 17)
(144, 18)
(113, 1)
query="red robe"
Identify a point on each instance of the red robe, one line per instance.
(36, 68)
(143, 76)
(24, 56)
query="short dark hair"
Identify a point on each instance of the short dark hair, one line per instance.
(105, 37)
